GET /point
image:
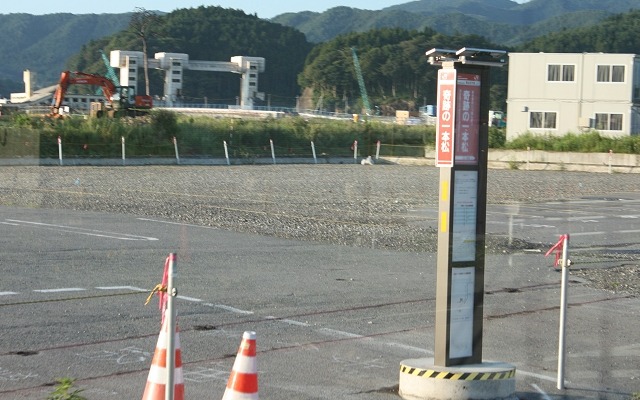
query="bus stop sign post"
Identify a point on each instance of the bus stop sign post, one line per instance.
(457, 370)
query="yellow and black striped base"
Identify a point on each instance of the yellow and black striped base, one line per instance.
(458, 376)
(420, 379)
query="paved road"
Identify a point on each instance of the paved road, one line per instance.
(607, 223)
(332, 321)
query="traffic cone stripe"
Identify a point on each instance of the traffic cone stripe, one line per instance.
(157, 380)
(158, 375)
(160, 358)
(233, 395)
(248, 348)
(241, 382)
(245, 364)
(158, 391)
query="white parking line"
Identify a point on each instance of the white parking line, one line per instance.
(176, 223)
(534, 375)
(544, 395)
(7, 293)
(135, 289)
(228, 308)
(586, 218)
(333, 332)
(288, 321)
(83, 231)
(411, 348)
(60, 290)
(588, 233)
(189, 299)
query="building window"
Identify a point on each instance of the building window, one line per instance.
(609, 122)
(561, 73)
(542, 120)
(175, 80)
(610, 73)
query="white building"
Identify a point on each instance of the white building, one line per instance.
(558, 93)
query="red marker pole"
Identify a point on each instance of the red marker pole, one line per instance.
(564, 263)
(172, 292)
(563, 311)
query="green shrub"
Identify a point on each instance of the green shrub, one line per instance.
(497, 137)
(590, 142)
(203, 136)
(64, 391)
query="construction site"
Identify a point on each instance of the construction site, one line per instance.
(118, 92)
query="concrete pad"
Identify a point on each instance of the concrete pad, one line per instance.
(420, 379)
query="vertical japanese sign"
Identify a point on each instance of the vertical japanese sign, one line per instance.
(461, 317)
(446, 117)
(465, 213)
(467, 129)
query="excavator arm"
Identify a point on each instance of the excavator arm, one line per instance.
(68, 78)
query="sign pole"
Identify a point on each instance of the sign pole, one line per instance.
(462, 143)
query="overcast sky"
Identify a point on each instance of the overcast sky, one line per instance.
(263, 8)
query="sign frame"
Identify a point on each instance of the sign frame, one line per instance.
(462, 214)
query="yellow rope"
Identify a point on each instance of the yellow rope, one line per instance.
(159, 288)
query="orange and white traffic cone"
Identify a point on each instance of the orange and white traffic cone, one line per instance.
(157, 380)
(243, 381)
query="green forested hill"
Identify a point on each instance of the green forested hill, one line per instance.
(395, 70)
(213, 34)
(617, 34)
(42, 43)
(501, 21)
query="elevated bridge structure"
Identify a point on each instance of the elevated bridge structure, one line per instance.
(174, 65)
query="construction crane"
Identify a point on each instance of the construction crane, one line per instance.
(111, 74)
(363, 89)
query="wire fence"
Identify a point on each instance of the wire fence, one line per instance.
(24, 143)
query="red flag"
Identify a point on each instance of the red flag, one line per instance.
(162, 295)
(558, 249)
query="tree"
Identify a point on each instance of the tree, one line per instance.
(144, 25)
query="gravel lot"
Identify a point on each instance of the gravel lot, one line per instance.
(343, 204)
